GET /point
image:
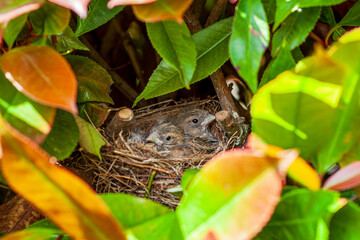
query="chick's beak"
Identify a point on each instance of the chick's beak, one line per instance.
(154, 138)
(208, 119)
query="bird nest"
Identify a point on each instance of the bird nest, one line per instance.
(140, 169)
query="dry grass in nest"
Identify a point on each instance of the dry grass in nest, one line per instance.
(136, 169)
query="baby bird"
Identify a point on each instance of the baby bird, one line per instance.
(166, 134)
(195, 123)
(170, 141)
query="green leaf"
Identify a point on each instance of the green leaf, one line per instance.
(296, 110)
(94, 81)
(175, 45)
(292, 34)
(302, 214)
(352, 17)
(32, 119)
(345, 223)
(285, 7)
(13, 29)
(249, 40)
(97, 112)
(98, 15)
(140, 215)
(68, 41)
(63, 137)
(212, 49)
(280, 63)
(50, 19)
(90, 138)
(269, 7)
(345, 127)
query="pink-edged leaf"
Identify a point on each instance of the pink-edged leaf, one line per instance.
(78, 6)
(10, 9)
(114, 3)
(345, 178)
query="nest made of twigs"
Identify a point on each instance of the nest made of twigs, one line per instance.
(137, 169)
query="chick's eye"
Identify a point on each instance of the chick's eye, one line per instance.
(168, 138)
(195, 120)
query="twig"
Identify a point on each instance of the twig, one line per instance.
(215, 12)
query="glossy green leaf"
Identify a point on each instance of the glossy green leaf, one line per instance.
(32, 119)
(284, 7)
(297, 110)
(94, 81)
(291, 34)
(63, 137)
(345, 126)
(13, 29)
(283, 61)
(50, 19)
(90, 138)
(302, 214)
(345, 223)
(249, 40)
(98, 15)
(11, 9)
(212, 49)
(68, 41)
(175, 45)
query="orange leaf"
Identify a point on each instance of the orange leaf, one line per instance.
(114, 3)
(66, 199)
(42, 74)
(12, 9)
(162, 10)
(233, 196)
(78, 6)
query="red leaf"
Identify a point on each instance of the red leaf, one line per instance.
(10, 9)
(78, 6)
(345, 178)
(114, 3)
(42, 74)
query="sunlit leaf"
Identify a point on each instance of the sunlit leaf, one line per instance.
(38, 234)
(55, 191)
(113, 3)
(13, 29)
(233, 195)
(78, 6)
(30, 118)
(94, 81)
(291, 34)
(298, 110)
(51, 83)
(212, 47)
(161, 10)
(345, 223)
(64, 136)
(302, 214)
(284, 7)
(90, 138)
(249, 40)
(98, 15)
(303, 173)
(50, 19)
(11, 9)
(175, 45)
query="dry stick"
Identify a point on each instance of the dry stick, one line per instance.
(119, 82)
(197, 7)
(215, 12)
